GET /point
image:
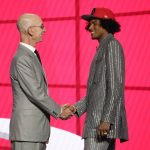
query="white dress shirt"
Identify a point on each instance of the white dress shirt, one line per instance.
(28, 46)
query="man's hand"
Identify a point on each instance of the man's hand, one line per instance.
(103, 128)
(72, 108)
(67, 111)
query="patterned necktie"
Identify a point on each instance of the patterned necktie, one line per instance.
(38, 56)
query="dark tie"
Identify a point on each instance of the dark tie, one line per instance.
(38, 56)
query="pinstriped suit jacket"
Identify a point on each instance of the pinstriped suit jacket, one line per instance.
(104, 100)
(32, 105)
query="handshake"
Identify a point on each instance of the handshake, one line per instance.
(67, 111)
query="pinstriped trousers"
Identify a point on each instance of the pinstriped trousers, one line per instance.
(95, 144)
(28, 146)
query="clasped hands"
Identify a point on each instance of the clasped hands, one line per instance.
(67, 111)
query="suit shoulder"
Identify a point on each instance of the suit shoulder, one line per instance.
(114, 41)
(115, 48)
(114, 44)
(20, 58)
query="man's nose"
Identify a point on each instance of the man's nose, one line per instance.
(90, 27)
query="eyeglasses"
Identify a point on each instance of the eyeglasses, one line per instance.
(41, 26)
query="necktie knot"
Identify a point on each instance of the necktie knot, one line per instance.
(38, 56)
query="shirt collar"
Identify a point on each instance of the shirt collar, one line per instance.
(28, 46)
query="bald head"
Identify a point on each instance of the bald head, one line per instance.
(31, 28)
(27, 20)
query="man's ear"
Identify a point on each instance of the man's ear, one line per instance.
(30, 31)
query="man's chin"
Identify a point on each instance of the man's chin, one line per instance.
(40, 40)
(93, 38)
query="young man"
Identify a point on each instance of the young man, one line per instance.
(104, 101)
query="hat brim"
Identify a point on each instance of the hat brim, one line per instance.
(89, 17)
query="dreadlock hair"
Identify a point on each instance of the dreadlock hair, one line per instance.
(110, 25)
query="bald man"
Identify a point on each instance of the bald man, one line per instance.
(32, 106)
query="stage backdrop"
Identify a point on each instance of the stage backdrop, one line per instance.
(67, 51)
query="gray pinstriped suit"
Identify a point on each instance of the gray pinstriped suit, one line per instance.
(104, 100)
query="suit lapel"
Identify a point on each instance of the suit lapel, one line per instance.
(92, 70)
(42, 70)
(44, 75)
(31, 54)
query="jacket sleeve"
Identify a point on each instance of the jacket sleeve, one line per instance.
(114, 81)
(81, 106)
(32, 87)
